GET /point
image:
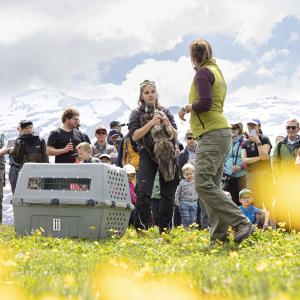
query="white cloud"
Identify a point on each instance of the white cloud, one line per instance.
(282, 87)
(277, 71)
(274, 53)
(173, 80)
(294, 36)
(158, 26)
(273, 63)
(263, 71)
(232, 70)
(52, 43)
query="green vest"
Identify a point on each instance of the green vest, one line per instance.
(213, 119)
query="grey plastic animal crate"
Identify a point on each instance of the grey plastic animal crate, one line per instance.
(72, 200)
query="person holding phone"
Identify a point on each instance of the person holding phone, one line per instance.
(256, 154)
(234, 179)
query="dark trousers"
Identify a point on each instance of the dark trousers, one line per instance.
(155, 202)
(176, 216)
(1, 192)
(13, 177)
(145, 179)
(234, 185)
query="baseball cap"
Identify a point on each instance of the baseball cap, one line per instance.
(113, 132)
(254, 121)
(245, 191)
(25, 123)
(101, 128)
(257, 120)
(238, 124)
(105, 156)
(129, 169)
(189, 133)
(114, 124)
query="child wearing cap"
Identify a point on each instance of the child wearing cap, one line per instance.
(105, 158)
(260, 217)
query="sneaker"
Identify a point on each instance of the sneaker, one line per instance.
(242, 232)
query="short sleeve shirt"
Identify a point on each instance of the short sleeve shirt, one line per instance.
(250, 212)
(252, 151)
(59, 138)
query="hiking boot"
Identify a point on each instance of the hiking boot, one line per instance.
(242, 232)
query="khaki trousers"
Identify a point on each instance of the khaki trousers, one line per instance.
(212, 149)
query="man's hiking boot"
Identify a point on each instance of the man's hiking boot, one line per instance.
(242, 232)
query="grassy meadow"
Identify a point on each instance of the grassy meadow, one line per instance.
(150, 266)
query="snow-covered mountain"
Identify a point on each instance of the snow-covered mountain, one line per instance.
(44, 108)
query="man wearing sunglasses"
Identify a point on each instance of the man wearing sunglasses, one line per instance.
(285, 151)
(286, 175)
(101, 146)
(189, 153)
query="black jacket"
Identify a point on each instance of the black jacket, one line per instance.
(182, 159)
(29, 148)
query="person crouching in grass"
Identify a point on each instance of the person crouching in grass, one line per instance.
(260, 217)
(186, 196)
(84, 153)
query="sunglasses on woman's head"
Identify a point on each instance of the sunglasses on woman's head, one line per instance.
(147, 82)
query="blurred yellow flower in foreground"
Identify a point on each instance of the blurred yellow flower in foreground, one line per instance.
(262, 266)
(126, 282)
(69, 280)
(12, 293)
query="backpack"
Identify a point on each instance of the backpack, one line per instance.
(132, 155)
(279, 148)
(30, 148)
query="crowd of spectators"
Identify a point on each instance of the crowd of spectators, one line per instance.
(250, 173)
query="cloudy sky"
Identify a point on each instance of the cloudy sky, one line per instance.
(92, 49)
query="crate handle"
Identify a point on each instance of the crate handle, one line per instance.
(91, 202)
(54, 201)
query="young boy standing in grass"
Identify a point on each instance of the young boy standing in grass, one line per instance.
(186, 196)
(260, 217)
